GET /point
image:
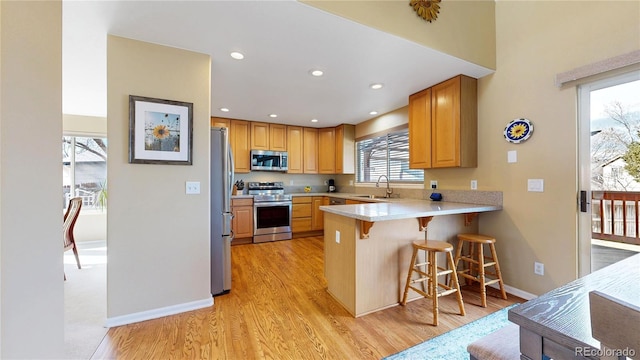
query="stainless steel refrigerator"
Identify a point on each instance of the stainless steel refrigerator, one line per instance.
(221, 235)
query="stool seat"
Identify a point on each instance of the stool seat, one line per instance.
(477, 238)
(433, 245)
(428, 272)
(477, 262)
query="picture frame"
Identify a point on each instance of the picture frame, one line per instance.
(160, 131)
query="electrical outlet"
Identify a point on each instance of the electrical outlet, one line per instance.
(434, 184)
(538, 268)
(474, 184)
(326, 182)
(192, 187)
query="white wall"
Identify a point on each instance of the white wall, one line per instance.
(31, 270)
(157, 237)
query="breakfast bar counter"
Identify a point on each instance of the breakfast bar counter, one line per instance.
(368, 246)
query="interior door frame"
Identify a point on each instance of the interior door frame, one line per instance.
(584, 159)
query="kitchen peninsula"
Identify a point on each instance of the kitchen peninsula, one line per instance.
(368, 246)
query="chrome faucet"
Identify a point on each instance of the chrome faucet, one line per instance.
(389, 191)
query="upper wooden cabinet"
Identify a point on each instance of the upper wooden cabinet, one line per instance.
(266, 136)
(239, 139)
(295, 149)
(345, 149)
(277, 137)
(220, 122)
(443, 125)
(310, 152)
(259, 136)
(420, 130)
(327, 153)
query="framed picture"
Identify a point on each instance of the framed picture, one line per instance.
(160, 131)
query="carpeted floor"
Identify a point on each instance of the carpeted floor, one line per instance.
(85, 300)
(452, 345)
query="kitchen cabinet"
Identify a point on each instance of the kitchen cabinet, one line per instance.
(327, 151)
(317, 215)
(267, 136)
(295, 149)
(242, 222)
(345, 149)
(220, 122)
(443, 125)
(277, 137)
(301, 211)
(259, 136)
(310, 150)
(420, 130)
(239, 139)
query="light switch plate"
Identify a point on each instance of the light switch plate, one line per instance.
(535, 185)
(512, 156)
(192, 187)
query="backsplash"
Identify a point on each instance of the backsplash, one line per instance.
(293, 183)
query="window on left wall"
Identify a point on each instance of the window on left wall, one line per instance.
(84, 171)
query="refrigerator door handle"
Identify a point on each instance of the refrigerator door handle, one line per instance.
(226, 223)
(232, 169)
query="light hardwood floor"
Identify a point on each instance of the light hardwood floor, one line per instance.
(278, 308)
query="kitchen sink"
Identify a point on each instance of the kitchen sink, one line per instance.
(370, 196)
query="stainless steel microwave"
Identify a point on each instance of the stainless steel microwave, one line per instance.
(266, 160)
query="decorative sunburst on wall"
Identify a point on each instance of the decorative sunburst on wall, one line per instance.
(426, 9)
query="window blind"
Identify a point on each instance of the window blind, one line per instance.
(386, 155)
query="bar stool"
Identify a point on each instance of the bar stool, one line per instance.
(477, 262)
(434, 288)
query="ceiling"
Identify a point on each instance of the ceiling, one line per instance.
(281, 40)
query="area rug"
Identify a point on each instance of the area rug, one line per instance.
(452, 345)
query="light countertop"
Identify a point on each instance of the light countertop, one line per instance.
(394, 210)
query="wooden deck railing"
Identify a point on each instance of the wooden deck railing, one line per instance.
(614, 216)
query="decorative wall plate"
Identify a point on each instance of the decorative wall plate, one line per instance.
(518, 130)
(426, 9)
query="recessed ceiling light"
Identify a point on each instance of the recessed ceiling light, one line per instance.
(273, 115)
(316, 73)
(314, 120)
(236, 55)
(224, 109)
(373, 113)
(376, 86)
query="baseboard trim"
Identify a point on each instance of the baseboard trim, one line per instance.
(157, 313)
(515, 291)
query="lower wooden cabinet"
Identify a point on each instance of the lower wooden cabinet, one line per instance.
(306, 215)
(317, 216)
(242, 223)
(301, 214)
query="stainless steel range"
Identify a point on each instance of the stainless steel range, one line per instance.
(271, 211)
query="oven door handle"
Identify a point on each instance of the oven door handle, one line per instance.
(272, 203)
